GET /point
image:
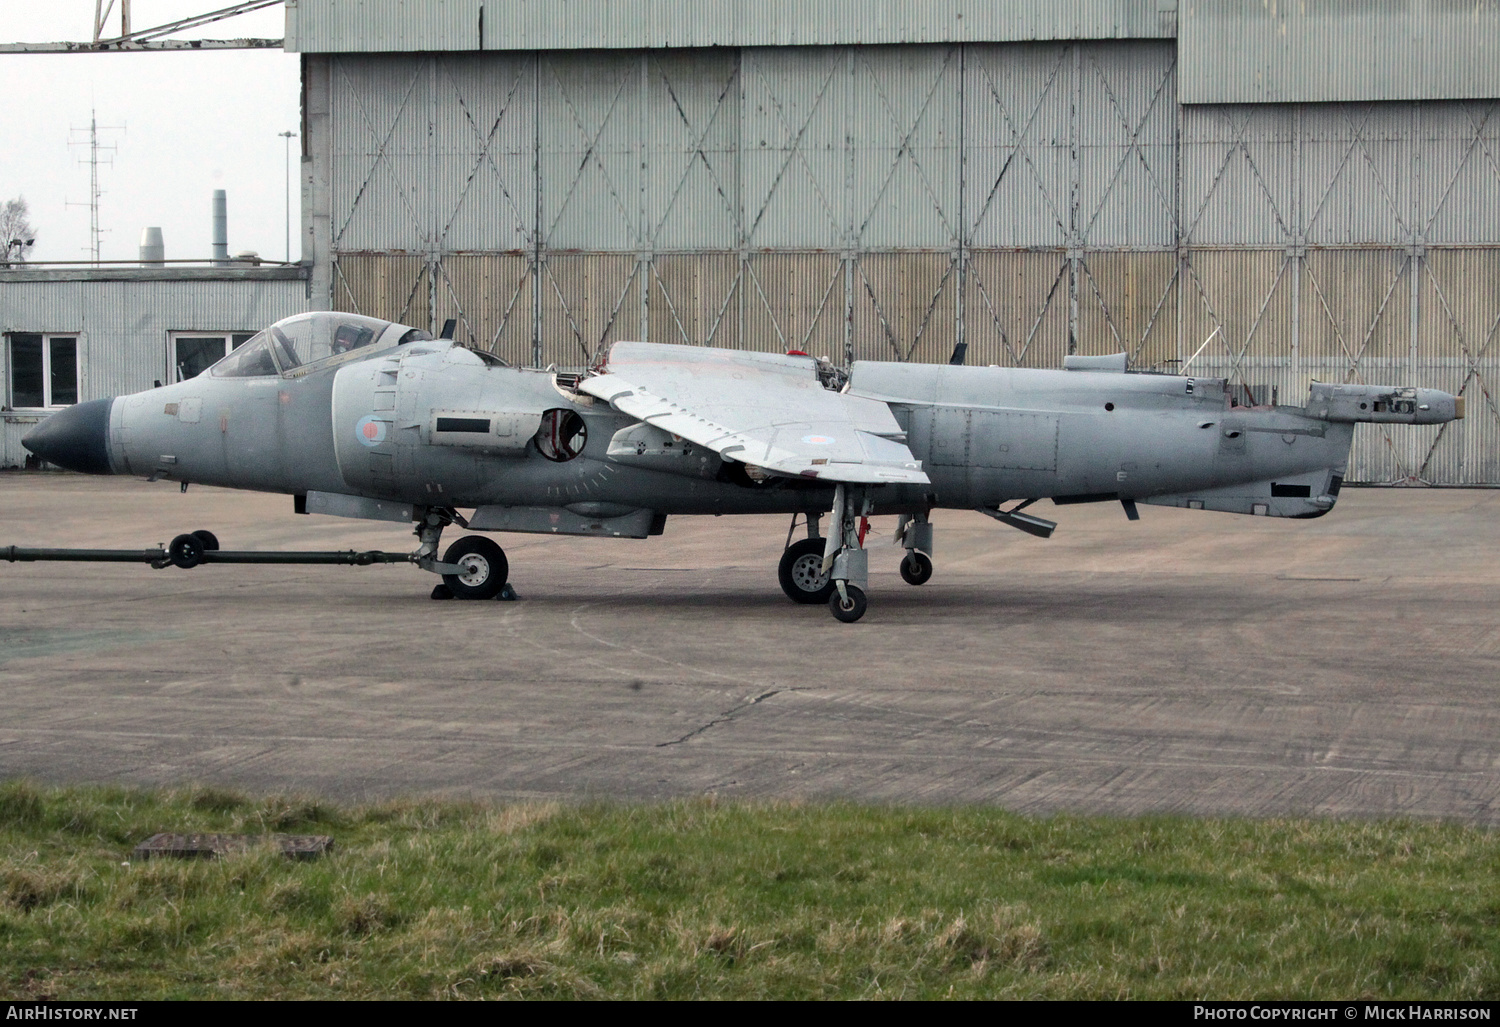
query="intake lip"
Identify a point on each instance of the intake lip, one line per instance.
(76, 438)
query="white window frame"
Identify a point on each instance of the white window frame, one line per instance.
(47, 340)
(228, 338)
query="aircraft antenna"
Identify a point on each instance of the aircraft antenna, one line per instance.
(1183, 369)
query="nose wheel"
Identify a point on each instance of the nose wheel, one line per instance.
(484, 568)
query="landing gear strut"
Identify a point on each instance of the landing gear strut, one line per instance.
(845, 559)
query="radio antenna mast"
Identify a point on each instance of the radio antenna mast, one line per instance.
(93, 162)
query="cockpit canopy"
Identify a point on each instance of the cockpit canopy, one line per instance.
(299, 344)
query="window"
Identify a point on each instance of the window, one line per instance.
(304, 343)
(189, 354)
(43, 370)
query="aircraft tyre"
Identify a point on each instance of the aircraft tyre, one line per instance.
(485, 568)
(801, 572)
(186, 551)
(853, 609)
(916, 568)
(209, 539)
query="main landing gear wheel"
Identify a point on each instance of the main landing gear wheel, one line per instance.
(851, 609)
(209, 539)
(484, 568)
(916, 568)
(801, 572)
(186, 551)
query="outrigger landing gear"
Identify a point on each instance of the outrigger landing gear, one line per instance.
(914, 531)
(845, 559)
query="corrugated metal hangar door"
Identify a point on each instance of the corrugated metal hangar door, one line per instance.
(888, 202)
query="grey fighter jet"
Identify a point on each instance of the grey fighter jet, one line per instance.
(365, 418)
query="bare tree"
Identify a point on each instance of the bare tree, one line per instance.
(16, 234)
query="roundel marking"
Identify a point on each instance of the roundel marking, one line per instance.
(819, 440)
(370, 430)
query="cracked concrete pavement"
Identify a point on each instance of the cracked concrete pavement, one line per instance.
(1190, 662)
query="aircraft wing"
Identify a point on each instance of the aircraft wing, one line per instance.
(763, 409)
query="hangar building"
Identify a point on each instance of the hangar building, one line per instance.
(1267, 192)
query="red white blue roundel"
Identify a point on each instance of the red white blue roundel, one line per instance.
(819, 440)
(370, 430)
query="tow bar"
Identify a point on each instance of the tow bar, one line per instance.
(165, 557)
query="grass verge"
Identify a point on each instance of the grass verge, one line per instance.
(428, 899)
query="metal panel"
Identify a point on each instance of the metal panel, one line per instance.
(433, 152)
(1016, 308)
(904, 136)
(332, 26)
(393, 286)
(1458, 349)
(1238, 184)
(695, 299)
(1356, 173)
(1340, 174)
(1070, 146)
(1355, 323)
(1458, 178)
(1247, 296)
(379, 145)
(795, 301)
(327, 26)
(587, 301)
(591, 176)
(795, 165)
(1017, 171)
(1250, 51)
(1126, 152)
(1128, 302)
(690, 146)
(490, 296)
(904, 307)
(482, 175)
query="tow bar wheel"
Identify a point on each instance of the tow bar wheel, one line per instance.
(187, 551)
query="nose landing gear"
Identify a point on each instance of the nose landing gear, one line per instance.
(474, 567)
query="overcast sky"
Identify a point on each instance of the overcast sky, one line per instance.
(194, 122)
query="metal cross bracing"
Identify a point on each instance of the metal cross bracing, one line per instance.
(1367, 236)
(888, 202)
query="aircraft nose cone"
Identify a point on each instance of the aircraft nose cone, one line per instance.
(76, 438)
